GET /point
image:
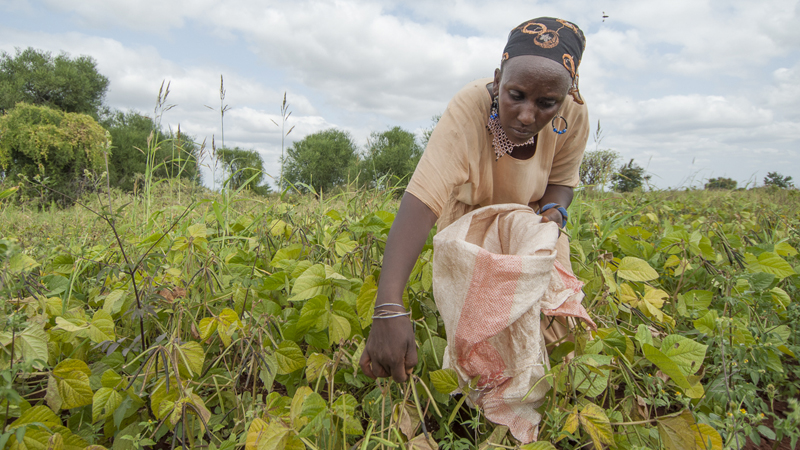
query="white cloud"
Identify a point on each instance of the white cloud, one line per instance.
(692, 86)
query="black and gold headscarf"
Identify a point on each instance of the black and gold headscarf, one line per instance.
(555, 39)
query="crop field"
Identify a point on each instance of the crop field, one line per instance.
(180, 317)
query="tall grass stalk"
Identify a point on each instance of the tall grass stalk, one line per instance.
(285, 113)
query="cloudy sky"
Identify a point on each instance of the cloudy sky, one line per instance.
(691, 89)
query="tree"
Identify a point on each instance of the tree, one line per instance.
(721, 183)
(778, 180)
(59, 146)
(322, 160)
(597, 167)
(392, 152)
(629, 177)
(37, 77)
(132, 136)
(241, 165)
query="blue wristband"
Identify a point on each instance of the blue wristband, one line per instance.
(558, 208)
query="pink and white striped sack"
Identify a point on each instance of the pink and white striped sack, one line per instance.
(494, 272)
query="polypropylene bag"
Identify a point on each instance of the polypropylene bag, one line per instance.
(494, 272)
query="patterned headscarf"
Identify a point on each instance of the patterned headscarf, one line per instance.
(555, 39)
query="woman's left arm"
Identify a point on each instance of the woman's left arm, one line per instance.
(555, 193)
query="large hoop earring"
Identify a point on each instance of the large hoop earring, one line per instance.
(494, 112)
(553, 123)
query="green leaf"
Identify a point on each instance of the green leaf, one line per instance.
(314, 405)
(207, 327)
(766, 432)
(105, 402)
(197, 230)
(708, 323)
(290, 357)
(671, 369)
(8, 192)
(445, 380)
(191, 358)
(110, 379)
(595, 422)
(698, 299)
(72, 381)
(339, 329)
(101, 328)
(589, 377)
(636, 269)
(643, 335)
(31, 345)
(676, 434)
(311, 283)
(365, 303)
(769, 262)
(785, 249)
(314, 315)
(267, 374)
(433, 351)
(63, 264)
(21, 263)
(316, 366)
(686, 353)
(114, 301)
(266, 436)
(780, 297)
(160, 399)
(37, 414)
(71, 325)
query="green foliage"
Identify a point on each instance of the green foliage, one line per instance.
(131, 135)
(721, 183)
(243, 168)
(37, 77)
(59, 146)
(777, 180)
(629, 177)
(394, 153)
(241, 322)
(321, 160)
(597, 167)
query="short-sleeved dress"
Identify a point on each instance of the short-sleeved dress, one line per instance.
(458, 172)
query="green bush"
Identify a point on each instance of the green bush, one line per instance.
(394, 152)
(54, 145)
(242, 165)
(721, 183)
(321, 160)
(37, 77)
(777, 180)
(597, 167)
(629, 177)
(133, 135)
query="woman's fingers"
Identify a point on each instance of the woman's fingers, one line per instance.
(411, 357)
(366, 364)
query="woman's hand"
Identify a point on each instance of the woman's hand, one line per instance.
(553, 215)
(391, 350)
(555, 193)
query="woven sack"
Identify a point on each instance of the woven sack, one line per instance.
(494, 272)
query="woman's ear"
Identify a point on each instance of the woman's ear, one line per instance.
(496, 82)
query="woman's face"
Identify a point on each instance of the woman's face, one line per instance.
(531, 90)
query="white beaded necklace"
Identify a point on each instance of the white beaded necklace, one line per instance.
(500, 141)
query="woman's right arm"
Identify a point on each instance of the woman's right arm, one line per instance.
(391, 350)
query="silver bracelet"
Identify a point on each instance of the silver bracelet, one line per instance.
(390, 315)
(390, 304)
